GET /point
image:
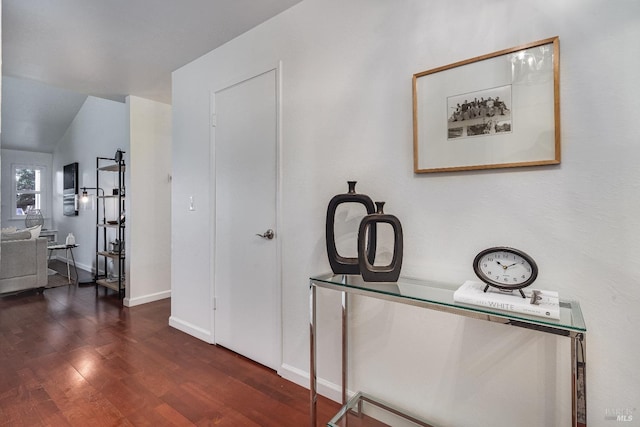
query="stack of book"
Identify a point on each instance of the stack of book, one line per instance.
(544, 304)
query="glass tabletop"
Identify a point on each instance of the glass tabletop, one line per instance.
(61, 246)
(439, 296)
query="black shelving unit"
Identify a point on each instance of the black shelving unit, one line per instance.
(110, 223)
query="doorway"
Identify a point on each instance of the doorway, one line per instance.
(247, 292)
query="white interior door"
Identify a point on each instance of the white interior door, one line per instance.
(246, 288)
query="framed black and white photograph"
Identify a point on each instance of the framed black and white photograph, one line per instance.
(498, 110)
(483, 112)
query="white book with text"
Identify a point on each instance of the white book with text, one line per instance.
(547, 303)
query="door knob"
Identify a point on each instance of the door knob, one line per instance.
(269, 234)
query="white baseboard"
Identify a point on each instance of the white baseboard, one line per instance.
(128, 302)
(188, 328)
(325, 388)
(132, 302)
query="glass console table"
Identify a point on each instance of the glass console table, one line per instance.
(439, 296)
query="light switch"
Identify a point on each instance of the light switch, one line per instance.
(192, 206)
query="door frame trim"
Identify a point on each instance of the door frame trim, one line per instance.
(241, 78)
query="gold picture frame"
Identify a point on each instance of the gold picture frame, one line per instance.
(500, 110)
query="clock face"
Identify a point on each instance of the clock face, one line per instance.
(505, 268)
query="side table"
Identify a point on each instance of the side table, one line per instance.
(68, 251)
(439, 297)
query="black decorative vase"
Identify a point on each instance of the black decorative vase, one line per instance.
(340, 264)
(384, 273)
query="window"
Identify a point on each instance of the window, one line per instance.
(29, 186)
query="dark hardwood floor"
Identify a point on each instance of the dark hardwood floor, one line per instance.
(74, 357)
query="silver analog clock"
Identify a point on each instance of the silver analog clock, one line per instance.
(505, 268)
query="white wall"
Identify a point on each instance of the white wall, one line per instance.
(99, 129)
(347, 114)
(149, 201)
(1, 167)
(9, 158)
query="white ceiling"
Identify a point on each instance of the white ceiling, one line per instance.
(108, 49)
(35, 116)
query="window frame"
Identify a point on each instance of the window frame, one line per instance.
(45, 184)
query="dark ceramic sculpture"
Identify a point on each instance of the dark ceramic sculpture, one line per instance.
(340, 264)
(384, 273)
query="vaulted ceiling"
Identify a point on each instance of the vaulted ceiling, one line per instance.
(109, 49)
